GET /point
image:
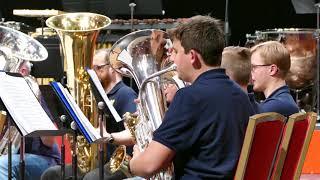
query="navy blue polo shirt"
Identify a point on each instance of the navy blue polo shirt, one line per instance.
(205, 127)
(254, 103)
(123, 97)
(34, 145)
(279, 101)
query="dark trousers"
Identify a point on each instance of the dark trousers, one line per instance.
(94, 174)
(54, 173)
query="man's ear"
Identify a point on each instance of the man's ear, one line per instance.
(273, 69)
(195, 59)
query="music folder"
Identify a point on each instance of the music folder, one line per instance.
(24, 107)
(74, 111)
(101, 95)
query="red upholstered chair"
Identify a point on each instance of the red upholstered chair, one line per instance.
(294, 146)
(262, 139)
(68, 154)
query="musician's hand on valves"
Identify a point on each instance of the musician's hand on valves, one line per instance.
(137, 101)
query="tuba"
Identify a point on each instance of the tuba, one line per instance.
(17, 49)
(143, 55)
(78, 33)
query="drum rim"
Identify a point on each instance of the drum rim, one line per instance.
(288, 31)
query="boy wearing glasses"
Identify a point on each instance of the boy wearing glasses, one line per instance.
(270, 63)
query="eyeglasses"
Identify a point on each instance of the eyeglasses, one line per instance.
(98, 67)
(255, 66)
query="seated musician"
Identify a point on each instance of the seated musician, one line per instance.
(270, 63)
(236, 61)
(41, 152)
(203, 129)
(123, 97)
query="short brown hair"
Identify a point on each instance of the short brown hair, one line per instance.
(202, 34)
(273, 52)
(236, 61)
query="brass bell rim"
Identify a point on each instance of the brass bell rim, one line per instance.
(44, 53)
(105, 19)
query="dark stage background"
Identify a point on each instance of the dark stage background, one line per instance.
(245, 16)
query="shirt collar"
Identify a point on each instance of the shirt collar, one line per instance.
(116, 88)
(282, 89)
(212, 74)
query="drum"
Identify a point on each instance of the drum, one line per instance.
(302, 46)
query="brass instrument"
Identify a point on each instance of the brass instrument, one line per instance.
(143, 56)
(78, 33)
(17, 49)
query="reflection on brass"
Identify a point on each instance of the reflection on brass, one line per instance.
(143, 55)
(78, 33)
(131, 121)
(17, 49)
(119, 159)
(3, 116)
(44, 81)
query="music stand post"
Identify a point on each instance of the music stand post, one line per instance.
(9, 153)
(9, 148)
(63, 120)
(101, 107)
(22, 162)
(74, 149)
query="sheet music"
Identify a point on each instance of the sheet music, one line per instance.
(99, 87)
(81, 120)
(23, 105)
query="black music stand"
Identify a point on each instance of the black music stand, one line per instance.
(105, 111)
(25, 132)
(66, 119)
(65, 125)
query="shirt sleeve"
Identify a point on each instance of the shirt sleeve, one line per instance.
(126, 102)
(177, 129)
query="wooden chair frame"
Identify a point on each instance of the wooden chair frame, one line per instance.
(286, 140)
(249, 136)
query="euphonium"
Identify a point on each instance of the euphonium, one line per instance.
(142, 55)
(16, 49)
(78, 33)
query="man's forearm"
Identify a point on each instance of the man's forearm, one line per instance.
(123, 137)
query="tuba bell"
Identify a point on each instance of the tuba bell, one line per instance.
(78, 33)
(17, 49)
(143, 55)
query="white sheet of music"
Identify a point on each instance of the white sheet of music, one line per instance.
(23, 105)
(98, 85)
(94, 135)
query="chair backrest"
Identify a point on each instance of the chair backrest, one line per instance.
(294, 146)
(260, 145)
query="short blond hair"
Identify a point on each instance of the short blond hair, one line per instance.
(236, 61)
(273, 52)
(104, 52)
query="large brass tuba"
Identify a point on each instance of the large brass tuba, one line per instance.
(143, 55)
(17, 49)
(78, 33)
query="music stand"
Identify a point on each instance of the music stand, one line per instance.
(11, 98)
(105, 110)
